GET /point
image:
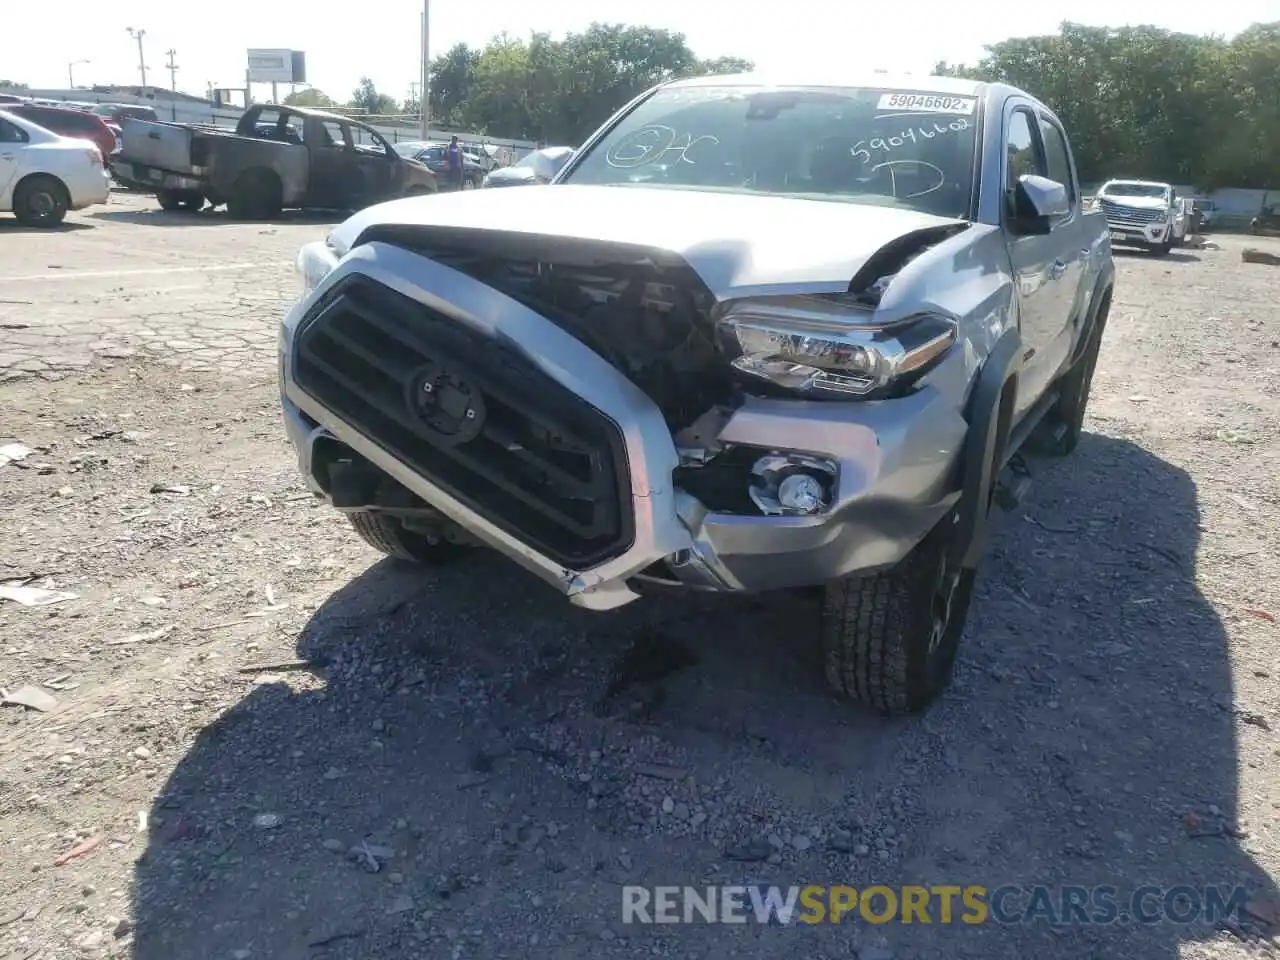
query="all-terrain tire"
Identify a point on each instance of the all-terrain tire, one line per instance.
(41, 201)
(888, 642)
(1059, 433)
(389, 535)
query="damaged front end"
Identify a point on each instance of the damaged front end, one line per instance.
(610, 424)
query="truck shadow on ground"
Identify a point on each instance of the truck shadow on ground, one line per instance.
(467, 745)
(216, 218)
(8, 225)
(1174, 256)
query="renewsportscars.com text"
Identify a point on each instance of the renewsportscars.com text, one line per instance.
(942, 903)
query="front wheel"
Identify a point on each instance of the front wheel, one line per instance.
(388, 535)
(890, 639)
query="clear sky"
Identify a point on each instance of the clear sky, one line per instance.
(380, 38)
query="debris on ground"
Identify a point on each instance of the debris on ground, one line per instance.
(29, 696)
(79, 850)
(14, 453)
(34, 596)
(1252, 255)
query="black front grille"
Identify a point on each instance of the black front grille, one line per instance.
(472, 416)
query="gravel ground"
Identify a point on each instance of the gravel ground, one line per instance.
(270, 743)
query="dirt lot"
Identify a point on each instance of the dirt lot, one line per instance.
(500, 761)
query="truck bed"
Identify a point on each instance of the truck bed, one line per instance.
(185, 148)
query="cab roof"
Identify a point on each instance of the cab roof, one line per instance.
(956, 86)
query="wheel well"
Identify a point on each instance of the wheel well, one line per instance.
(264, 175)
(34, 177)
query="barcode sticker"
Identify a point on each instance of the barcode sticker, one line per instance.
(927, 103)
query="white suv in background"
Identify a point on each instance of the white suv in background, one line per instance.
(43, 175)
(1141, 213)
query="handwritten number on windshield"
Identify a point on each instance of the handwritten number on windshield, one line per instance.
(654, 143)
(863, 148)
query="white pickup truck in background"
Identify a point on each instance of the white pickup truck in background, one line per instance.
(1142, 213)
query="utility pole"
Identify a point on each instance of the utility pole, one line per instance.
(425, 105)
(142, 59)
(173, 69)
(71, 76)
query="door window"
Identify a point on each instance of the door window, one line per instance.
(1057, 157)
(11, 133)
(1022, 150)
(332, 135)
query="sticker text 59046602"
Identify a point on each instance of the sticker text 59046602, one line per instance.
(926, 103)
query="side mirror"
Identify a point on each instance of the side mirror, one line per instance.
(1037, 203)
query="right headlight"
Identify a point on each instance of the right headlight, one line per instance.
(823, 348)
(315, 261)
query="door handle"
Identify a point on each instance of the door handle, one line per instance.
(1084, 252)
(6, 156)
(1057, 270)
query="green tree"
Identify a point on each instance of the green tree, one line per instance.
(559, 91)
(726, 65)
(310, 97)
(367, 99)
(1141, 101)
(452, 76)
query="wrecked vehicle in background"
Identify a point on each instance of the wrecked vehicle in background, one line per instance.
(277, 158)
(752, 337)
(537, 167)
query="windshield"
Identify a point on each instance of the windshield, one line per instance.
(408, 149)
(862, 145)
(1135, 190)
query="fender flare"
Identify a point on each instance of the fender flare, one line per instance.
(990, 416)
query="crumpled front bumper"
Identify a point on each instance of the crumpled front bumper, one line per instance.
(896, 459)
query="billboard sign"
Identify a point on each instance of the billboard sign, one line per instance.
(277, 66)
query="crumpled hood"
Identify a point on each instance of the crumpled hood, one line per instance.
(740, 244)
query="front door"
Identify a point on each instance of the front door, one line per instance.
(377, 163)
(1039, 269)
(332, 155)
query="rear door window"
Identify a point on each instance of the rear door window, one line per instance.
(1057, 157)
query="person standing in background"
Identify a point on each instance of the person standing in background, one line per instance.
(455, 163)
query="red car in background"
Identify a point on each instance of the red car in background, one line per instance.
(69, 123)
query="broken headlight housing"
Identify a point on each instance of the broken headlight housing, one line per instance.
(315, 261)
(830, 348)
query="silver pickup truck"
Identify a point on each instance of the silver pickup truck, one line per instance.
(757, 335)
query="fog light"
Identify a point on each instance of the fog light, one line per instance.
(792, 484)
(802, 493)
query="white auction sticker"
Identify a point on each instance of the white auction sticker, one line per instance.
(926, 103)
